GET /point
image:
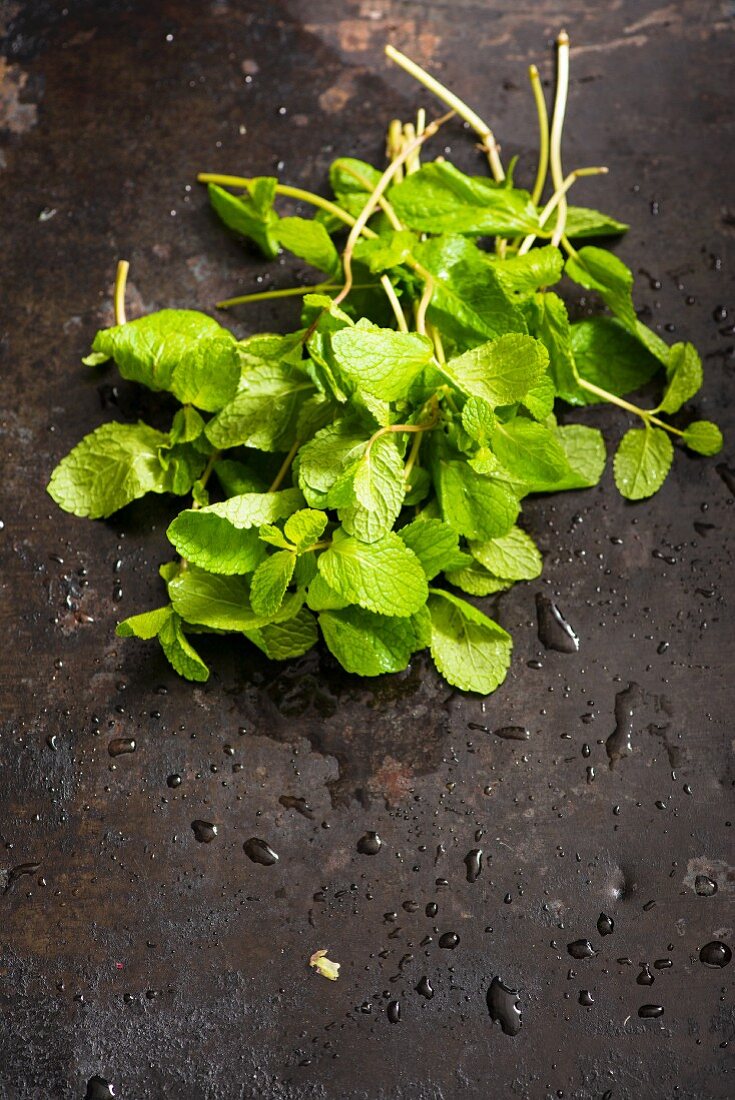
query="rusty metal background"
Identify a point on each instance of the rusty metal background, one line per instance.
(134, 955)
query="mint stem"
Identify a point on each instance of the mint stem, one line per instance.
(557, 124)
(121, 279)
(645, 414)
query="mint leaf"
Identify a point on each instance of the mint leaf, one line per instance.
(270, 581)
(223, 538)
(548, 322)
(585, 451)
(371, 645)
(500, 371)
(180, 653)
(310, 241)
(379, 487)
(325, 461)
(186, 427)
(478, 420)
(320, 597)
(382, 576)
(539, 400)
(684, 374)
(252, 217)
(601, 271)
(292, 638)
(352, 181)
(114, 465)
(305, 527)
(236, 478)
(541, 267)
(642, 462)
(435, 544)
(178, 350)
(582, 222)
(513, 556)
(608, 355)
(381, 362)
(475, 580)
(265, 411)
(222, 603)
(704, 437)
(531, 453)
(438, 198)
(470, 650)
(474, 505)
(146, 625)
(386, 251)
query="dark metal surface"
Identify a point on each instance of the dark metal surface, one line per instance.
(173, 968)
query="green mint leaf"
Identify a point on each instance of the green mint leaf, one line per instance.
(223, 538)
(187, 426)
(470, 650)
(305, 527)
(371, 645)
(274, 537)
(110, 467)
(237, 478)
(524, 274)
(180, 653)
(310, 241)
(352, 180)
(500, 371)
(684, 374)
(379, 487)
(435, 544)
(468, 304)
(270, 581)
(179, 350)
(292, 638)
(474, 505)
(531, 453)
(326, 460)
(515, 556)
(381, 362)
(601, 271)
(548, 322)
(582, 222)
(264, 413)
(539, 400)
(609, 356)
(320, 597)
(386, 251)
(642, 461)
(252, 217)
(222, 603)
(586, 454)
(475, 580)
(704, 437)
(478, 420)
(146, 625)
(382, 576)
(438, 198)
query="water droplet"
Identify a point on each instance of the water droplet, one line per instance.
(425, 988)
(705, 886)
(650, 1012)
(204, 831)
(369, 844)
(473, 863)
(502, 1004)
(393, 1011)
(619, 743)
(663, 964)
(449, 940)
(512, 733)
(645, 977)
(121, 745)
(605, 924)
(719, 314)
(586, 998)
(716, 954)
(99, 1089)
(174, 780)
(553, 630)
(431, 909)
(581, 949)
(260, 852)
(18, 871)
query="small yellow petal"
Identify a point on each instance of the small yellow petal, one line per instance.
(324, 966)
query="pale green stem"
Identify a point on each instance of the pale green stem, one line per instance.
(385, 206)
(557, 124)
(369, 208)
(424, 305)
(394, 144)
(543, 134)
(438, 345)
(281, 189)
(396, 306)
(288, 292)
(645, 414)
(121, 279)
(285, 466)
(556, 200)
(481, 128)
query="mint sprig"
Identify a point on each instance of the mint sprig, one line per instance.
(349, 478)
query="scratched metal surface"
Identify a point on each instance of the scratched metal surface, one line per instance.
(171, 968)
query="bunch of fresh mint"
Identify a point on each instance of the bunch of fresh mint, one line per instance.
(367, 467)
